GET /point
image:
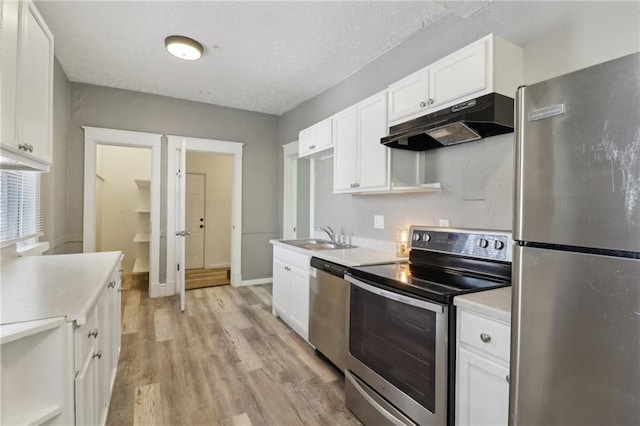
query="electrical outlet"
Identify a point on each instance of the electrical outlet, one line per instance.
(378, 221)
(444, 223)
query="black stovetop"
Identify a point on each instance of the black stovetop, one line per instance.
(436, 277)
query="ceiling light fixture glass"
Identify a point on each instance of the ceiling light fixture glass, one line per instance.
(183, 47)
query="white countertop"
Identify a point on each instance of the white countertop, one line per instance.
(356, 256)
(67, 285)
(492, 303)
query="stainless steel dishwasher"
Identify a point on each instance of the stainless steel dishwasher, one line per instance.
(329, 294)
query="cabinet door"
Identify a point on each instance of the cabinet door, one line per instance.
(299, 300)
(306, 139)
(280, 288)
(345, 150)
(373, 157)
(9, 72)
(85, 387)
(35, 88)
(101, 361)
(324, 136)
(409, 95)
(482, 391)
(113, 322)
(459, 75)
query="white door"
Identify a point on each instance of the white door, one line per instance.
(194, 218)
(181, 166)
(345, 148)
(373, 157)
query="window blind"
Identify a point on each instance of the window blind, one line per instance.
(20, 205)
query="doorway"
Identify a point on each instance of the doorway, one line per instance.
(208, 189)
(178, 149)
(298, 201)
(144, 200)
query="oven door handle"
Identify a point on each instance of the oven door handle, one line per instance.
(422, 304)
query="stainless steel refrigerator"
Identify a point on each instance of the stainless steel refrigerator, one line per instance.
(576, 286)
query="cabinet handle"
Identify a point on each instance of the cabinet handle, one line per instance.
(98, 355)
(30, 148)
(111, 284)
(93, 333)
(508, 378)
(485, 337)
(423, 104)
(431, 101)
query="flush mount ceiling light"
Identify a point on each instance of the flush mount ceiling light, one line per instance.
(183, 47)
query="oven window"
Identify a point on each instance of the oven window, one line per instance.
(397, 341)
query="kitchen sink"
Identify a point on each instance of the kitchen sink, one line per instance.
(314, 244)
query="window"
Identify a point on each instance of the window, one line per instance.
(20, 208)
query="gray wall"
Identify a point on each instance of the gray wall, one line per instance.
(126, 110)
(558, 37)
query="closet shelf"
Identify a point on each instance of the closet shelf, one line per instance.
(142, 237)
(141, 265)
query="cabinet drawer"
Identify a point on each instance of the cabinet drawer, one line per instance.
(292, 258)
(485, 334)
(82, 341)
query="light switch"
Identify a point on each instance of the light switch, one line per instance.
(378, 221)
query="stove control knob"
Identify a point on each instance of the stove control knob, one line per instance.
(426, 237)
(417, 236)
(482, 243)
(498, 245)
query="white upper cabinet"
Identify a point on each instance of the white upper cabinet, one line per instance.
(361, 162)
(488, 65)
(316, 141)
(27, 87)
(409, 95)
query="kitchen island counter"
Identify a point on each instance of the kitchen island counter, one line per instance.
(68, 285)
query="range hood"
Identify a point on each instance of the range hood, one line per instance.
(488, 115)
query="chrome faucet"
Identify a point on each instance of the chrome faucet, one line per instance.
(330, 233)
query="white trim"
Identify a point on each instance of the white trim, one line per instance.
(93, 137)
(312, 196)
(218, 265)
(214, 147)
(290, 172)
(257, 281)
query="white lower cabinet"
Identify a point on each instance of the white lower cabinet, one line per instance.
(482, 376)
(291, 289)
(97, 348)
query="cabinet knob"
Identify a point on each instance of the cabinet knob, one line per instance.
(431, 101)
(98, 355)
(485, 337)
(111, 284)
(30, 148)
(423, 104)
(508, 378)
(93, 333)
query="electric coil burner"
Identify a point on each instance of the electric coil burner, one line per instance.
(401, 361)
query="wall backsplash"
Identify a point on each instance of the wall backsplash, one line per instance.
(477, 179)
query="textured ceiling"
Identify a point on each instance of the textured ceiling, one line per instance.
(259, 56)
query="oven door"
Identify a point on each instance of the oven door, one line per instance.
(398, 348)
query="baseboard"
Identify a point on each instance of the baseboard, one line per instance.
(219, 265)
(257, 281)
(158, 290)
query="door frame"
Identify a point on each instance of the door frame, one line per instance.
(94, 136)
(204, 237)
(289, 203)
(235, 149)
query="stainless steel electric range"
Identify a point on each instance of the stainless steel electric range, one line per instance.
(401, 358)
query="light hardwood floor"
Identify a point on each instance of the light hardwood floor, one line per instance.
(224, 361)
